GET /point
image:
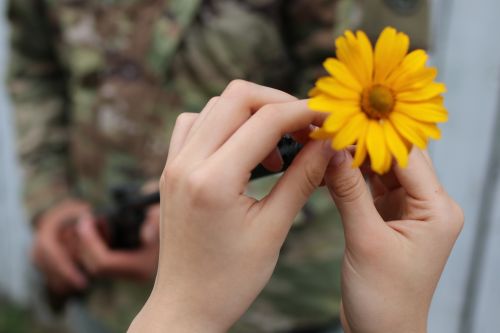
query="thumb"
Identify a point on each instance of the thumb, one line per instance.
(295, 186)
(351, 195)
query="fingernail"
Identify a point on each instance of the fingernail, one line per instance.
(338, 158)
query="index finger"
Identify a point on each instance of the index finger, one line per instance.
(260, 134)
(233, 108)
(418, 179)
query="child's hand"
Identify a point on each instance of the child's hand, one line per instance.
(397, 243)
(219, 247)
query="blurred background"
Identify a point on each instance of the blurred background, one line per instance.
(466, 48)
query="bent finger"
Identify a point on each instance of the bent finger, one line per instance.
(270, 123)
(203, 114)
(294, 188)
(182, 127)
(236, 104)
(273, 162)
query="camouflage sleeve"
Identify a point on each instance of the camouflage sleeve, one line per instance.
(409, 16)
(37, 87)
(313, 25)
(309, 27)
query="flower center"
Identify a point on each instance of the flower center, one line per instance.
(377, 101)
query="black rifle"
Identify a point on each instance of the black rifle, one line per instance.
(120, 223)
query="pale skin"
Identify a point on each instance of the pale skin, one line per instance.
(218, 247)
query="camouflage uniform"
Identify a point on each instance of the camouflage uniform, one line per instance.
(97, 85)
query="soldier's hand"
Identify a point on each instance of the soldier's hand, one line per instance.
(101, 261)
(219, 247)
(398, 240)
(53, 251)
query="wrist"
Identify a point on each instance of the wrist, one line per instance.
(399, 323)
(164, 311)
(408, 328)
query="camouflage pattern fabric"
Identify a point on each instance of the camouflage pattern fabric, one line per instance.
(97, 86)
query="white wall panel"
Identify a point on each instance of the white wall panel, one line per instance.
(468, 54)
(14, 235)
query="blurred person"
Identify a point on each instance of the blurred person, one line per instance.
(398, 236)
(97, 87)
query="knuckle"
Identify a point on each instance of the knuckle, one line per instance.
(162, 182)
(440, 191)
(268, 113)
(171, 175)
(237, 88)
(452, 217)
(213, 100)
(199, 187)
(313, 178)
(183, 118)
(349, 189)
(457, 217)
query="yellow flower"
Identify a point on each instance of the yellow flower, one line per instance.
(383, 100)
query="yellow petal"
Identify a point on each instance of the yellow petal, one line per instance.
(413, 62)
(348, 134)
(320, 134)
(395, 144)
(390, 50)
(349, 52)
(427, 130)
(438, 100)
(335, 121)
(361, 150)
(401, 124)
(314, 92)
(327, 104)
(376, 145)
(387, 163)
(416, 80)
(425, 93)
(366, 53)
(332, 87)
(340, 71)
(428, 112)
(406, 142)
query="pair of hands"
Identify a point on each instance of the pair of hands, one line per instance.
(69, 250)
(219, 247)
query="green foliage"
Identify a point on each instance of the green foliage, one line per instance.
(14, 319)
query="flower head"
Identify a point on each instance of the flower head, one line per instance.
(384, 100)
